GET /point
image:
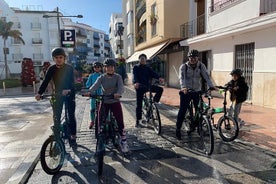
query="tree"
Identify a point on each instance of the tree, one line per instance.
(6, 32)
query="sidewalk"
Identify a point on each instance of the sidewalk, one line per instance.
(259, 128)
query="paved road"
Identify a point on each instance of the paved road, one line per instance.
(160, 159)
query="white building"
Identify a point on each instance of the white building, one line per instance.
(115, 24)
(92, 44)
(236, 34)
(41, 35)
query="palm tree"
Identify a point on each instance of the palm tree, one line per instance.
(6, 32)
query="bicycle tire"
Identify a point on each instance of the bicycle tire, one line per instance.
(207, 136)
(100, 150)
(188, 119)
(145, 107)
(52, 155)
(228, 128)
(156, 120)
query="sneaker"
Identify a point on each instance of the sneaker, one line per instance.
(74, 144)
(138, 123)
(178, 134)
(124, 146)
(242, 123)
(91, 125)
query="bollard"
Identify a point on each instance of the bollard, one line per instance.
(34, 87)
(4, 87)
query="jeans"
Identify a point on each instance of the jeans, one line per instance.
(117, 112)
(235, 109)
(139, 98)
(57, 110)
(185, 100)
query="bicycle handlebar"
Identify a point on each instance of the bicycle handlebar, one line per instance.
(97, 96)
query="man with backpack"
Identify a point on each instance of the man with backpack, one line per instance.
(190, 76)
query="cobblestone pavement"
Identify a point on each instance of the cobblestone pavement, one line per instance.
(159, 159)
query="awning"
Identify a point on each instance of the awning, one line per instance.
(150, 52)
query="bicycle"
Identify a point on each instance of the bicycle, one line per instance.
(150, 112)
(52, 153)
(106, 129)
(200, 119)
(227, 126)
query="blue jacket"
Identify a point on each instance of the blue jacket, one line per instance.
(91, 80)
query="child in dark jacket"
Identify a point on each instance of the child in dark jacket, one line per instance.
(238, 94)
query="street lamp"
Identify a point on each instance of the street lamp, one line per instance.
(58, 16)
(120, 32)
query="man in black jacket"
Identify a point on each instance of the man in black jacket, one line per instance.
(62, 75)
(142, 75)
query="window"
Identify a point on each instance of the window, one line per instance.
(129, 17)
(153, 20)
(244, 60)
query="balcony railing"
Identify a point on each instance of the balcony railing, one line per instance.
(221, 4)
(36, 41)
(18, 56)
(267, 6)
(16, 25)
(36, 25)
(193, 28)
(37, 56)
(16, 41)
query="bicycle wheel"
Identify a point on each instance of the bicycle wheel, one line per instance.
(207, 136)
(155, 119)
(188, 119)
(145, 106)
(52, 155)
(100, 151)
(228, 128)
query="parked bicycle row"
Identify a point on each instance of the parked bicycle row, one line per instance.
(106, 116)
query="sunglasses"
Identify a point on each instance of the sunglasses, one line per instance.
(97, 67)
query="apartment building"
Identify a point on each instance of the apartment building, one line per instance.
(37, 32)
(153, 28)
(236, 34)
(92, 44)
(116, 32)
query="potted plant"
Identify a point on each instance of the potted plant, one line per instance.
(153, 19)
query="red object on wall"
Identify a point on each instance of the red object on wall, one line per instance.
(27, 72)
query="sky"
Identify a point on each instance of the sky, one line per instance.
(96, 13)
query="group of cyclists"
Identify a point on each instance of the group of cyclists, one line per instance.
(111, 83)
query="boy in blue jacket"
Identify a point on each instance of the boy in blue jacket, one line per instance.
(97, 68)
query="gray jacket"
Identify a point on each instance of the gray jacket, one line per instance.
(190, 77)
(110, 85)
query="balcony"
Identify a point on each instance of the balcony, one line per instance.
(220, 4)
(83, 48)
(106, 38)
(96, 36)
(107, 46)
(16, 41)
(36, 41)
(81, 33)
(16, 25)
(96, 44)
(140, 8)
(193, 28)
(17, 56)
(36, 25)
(267, 6)
(37, 56)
